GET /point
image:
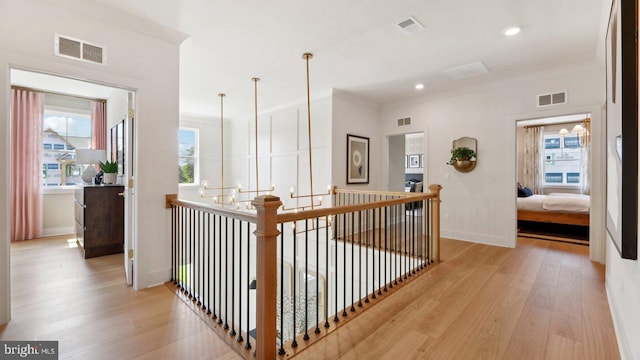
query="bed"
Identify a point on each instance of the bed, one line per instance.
(557, 208)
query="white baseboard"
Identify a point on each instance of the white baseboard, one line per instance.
(58, 231)
(478, 238)
(623, 342)
(155, 278)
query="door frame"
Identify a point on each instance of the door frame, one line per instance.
(597, 245)
(129, 211)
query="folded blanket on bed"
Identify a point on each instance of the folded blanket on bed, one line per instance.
(566, 202)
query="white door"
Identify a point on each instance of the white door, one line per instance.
(129, 191)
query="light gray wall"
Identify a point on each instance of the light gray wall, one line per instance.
(352, 115)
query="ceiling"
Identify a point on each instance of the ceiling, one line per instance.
(358, 48)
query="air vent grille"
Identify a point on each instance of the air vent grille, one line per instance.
(69, 47)
(552, 99)
(410, 24)
(92, 53)
(404, 121)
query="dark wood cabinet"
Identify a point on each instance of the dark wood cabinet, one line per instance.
(99, 213)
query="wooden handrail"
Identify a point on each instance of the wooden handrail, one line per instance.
(373, 192)
(316, 213)
(407, 197)
(240, 215)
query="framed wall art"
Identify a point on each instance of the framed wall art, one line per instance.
(357, 159)
(414, 161)
(622, 128)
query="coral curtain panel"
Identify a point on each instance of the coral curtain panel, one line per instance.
(99, 125)
(26, 164)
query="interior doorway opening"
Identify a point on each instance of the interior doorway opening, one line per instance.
(407, 162)
(554, 166)
(70, 129)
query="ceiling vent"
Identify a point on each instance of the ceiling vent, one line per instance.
(467, 71)
(410, 24)
(71, 48)
(552, 99)
(404, 121)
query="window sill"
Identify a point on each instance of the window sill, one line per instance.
(54, 190)
(188, 186)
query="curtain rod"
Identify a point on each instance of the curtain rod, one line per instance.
(56, 93)
(559, 123)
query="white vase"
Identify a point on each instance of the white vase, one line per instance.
(110, 178)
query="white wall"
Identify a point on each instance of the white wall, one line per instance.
(58, 212)
(141, 56)
(480, 205)
(355, 116)
(283, 151)
(623, 290)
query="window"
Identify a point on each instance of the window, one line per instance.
(187, 156)
(562, 160)
(62, 133)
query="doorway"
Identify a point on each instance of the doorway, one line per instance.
(406, 161)
(61, 172)
(554, 166)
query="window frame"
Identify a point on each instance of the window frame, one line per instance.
(196, 156)
(67, 112)
(565, 173)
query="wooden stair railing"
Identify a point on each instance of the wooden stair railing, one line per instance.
(410, 257)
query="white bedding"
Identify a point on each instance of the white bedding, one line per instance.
(575, 203)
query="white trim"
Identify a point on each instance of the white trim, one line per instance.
(618, 323)
(478, 238)
(59, 231)
(196, 156)
(58, 190)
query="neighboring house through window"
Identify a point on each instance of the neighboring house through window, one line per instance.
(63, 131)
(187, 156)
(562, 160)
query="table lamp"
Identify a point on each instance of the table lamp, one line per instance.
(90, 157)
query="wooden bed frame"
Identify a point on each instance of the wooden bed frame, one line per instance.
(581, 219)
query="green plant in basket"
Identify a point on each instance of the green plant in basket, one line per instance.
(461, 154)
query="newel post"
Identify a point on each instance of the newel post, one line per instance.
(266, 274)
(435, 219)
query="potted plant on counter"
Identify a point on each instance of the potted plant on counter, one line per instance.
(110, 169)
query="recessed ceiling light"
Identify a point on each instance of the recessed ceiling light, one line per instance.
(512, 31)
(419, 86)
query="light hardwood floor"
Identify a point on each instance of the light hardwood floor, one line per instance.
(542, 300)
(86, 306)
